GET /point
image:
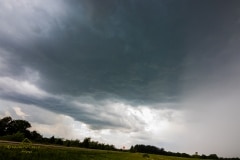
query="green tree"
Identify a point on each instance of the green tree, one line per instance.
(86, 142)
(75, 143)
(52, 139)
(59, 141)
(18, 126)
(67, 143)
(212, 156)
(36, 136)
(4, 123)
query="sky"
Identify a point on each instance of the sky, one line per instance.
(125, 72)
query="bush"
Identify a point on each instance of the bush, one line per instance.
(14, 137)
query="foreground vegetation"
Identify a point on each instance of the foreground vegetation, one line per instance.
(17, 152)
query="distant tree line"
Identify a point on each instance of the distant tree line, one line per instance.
(18, 130)
(141, 148)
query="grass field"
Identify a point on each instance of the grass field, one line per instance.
(11, 151)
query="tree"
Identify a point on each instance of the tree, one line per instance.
(75, 143)
(52, 139)
(203, 156)
(18, 126)
(147, 149)
(67, 143)
(4, 123)
(36, 136)
(132, 149)
(59, 141)
(212, 156)
(86, 142)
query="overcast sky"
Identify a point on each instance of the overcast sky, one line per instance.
(125, 72)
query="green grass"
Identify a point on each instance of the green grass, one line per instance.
(10, 151)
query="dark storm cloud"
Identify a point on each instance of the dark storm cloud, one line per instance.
(133, 50)
(125, 49)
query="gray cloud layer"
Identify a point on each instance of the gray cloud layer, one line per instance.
(116, 52)
(131, 50)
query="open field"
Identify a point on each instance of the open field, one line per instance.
(18, 151)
